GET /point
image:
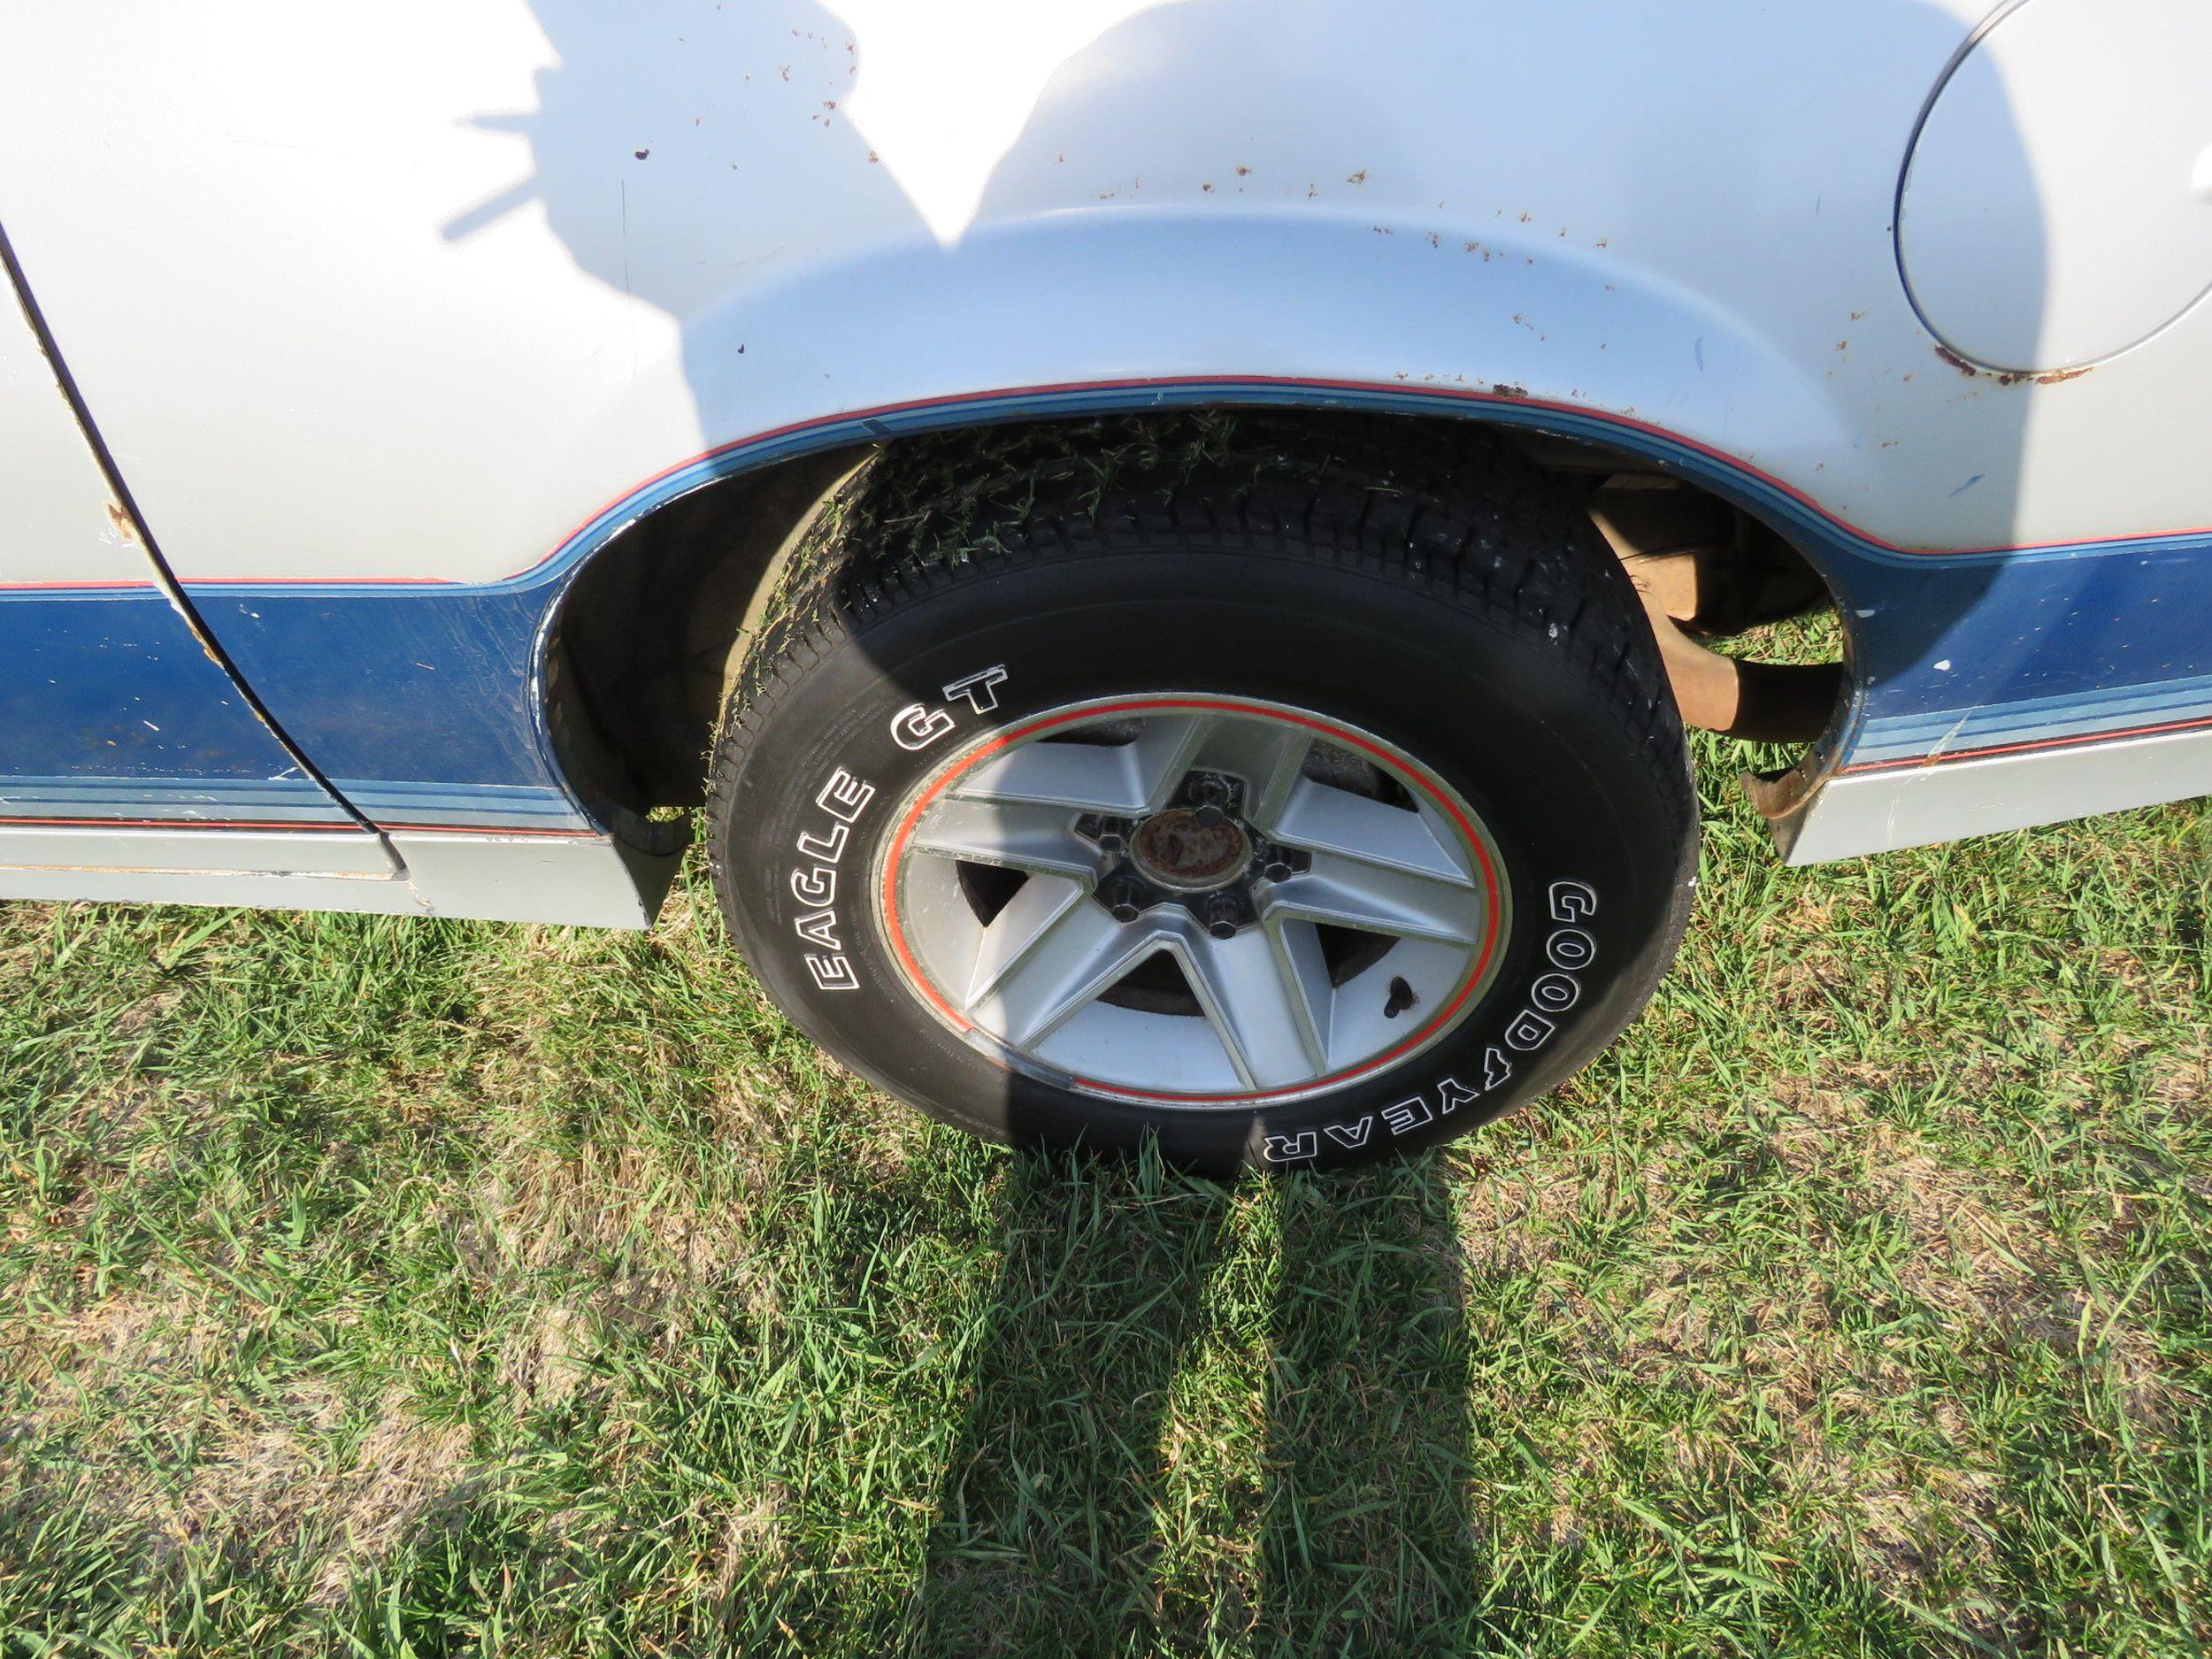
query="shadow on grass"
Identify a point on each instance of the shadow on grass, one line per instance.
(1199, 1419)
(1077, 1514)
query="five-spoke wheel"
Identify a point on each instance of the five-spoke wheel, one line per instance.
(1189, 898)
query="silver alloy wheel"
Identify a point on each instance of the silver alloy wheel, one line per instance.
(1186, 898)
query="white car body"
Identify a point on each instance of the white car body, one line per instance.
(375, 326)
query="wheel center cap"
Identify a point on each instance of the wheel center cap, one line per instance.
(1176, 851)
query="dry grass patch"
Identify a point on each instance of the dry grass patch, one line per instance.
(162, 1440)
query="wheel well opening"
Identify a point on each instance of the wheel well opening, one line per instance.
(647, 638)
(640, 649)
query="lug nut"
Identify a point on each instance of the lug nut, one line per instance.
(1120, 895)
(1278, 870)
(1221, 918)
(1210, 815)
(1110, 841)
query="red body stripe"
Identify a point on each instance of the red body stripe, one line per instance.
(310, 826)
(176, 823)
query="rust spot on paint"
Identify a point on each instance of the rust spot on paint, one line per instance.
(121, 520)
(1357, 178)
(1501, 389)
(1957, 362)
(2050, 377)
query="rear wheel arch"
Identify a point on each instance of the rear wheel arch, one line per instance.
(644, 641)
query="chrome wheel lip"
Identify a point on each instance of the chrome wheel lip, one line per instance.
(894, 857)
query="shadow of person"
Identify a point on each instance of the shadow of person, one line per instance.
(1075, 1475)
(683, 164)
(1367, 1539)
(1045, 1524)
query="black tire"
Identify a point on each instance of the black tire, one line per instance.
(1437, 593)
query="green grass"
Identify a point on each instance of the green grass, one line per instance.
(386, 1287)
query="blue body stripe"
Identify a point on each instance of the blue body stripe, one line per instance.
(1958, 731)
(110, 709)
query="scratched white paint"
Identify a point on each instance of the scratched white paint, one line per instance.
(408, 290)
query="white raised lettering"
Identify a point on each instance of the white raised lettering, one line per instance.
(844, 795)
(979, 689)
(917, 726)
(1571, 901)
(833, 974)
